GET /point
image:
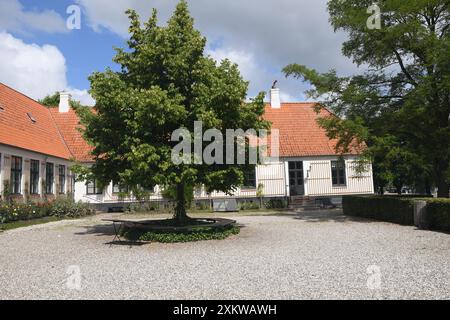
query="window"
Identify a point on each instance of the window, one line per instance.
(34, 177)
(338, 173)
(92, 187)
(118, 188)
(250, 178)
(32, 118)
(62, 179)
(49, 178)
(16, 175)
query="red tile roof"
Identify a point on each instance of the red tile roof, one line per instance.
(299, 132)
(57, 134)
(18, 130)
(68, 124)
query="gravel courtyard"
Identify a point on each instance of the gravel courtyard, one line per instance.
(317, 255)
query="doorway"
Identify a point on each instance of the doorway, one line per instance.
(296, 182)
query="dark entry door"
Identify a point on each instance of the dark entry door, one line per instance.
(296, 183)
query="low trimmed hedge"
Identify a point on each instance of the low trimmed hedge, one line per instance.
(390, 209)
(398, 210)
(438, 214)
(174, 237)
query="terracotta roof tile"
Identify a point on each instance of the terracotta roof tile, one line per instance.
(18, 130)
(68, 124)
(57, 134)
(300, 134)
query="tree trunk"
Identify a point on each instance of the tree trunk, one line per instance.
(428, 187)
(180, 210)
(398, 187)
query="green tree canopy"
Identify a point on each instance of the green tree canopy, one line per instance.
(165, 83)
(402, 101)
(52, 101)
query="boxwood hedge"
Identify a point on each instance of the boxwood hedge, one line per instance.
(390, 209)
(398, 210)
(438, 214)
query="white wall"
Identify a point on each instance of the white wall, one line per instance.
(5, 172)
(318, 180)
(274, 177)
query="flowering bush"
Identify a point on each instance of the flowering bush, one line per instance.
(16, 211)
(69, 208)
(58, 208)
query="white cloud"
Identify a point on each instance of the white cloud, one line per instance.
(252, 70)
(246, 60)
(31, 69)
(35, 70)
(272, 33)
(82, 96)
(14, 18)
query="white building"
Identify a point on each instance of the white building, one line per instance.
(38, 144)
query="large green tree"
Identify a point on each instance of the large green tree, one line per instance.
(165, 83)
(401, 103)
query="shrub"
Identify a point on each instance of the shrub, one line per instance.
(18, 211)
(143, 207)
(70, 209)
(173, 237)
(276, 204)
(391, 209)
(438, 214)
(248, 205)
(61, 208)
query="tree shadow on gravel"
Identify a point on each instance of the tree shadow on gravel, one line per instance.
(107, 230)
(328, 216)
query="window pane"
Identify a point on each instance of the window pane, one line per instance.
(62, 178)
(49, 178)
(250, 178)
(16, 174)
(338, 173)
(34, 176)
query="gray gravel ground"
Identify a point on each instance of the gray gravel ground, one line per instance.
(317, 255)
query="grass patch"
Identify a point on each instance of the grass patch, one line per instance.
(174, 237)
(27, 223)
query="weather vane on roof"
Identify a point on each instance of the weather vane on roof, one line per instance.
(274, 85)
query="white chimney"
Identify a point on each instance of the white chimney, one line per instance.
(64, 102)
(275, 101)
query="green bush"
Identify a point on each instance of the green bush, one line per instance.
(17, 211)
(391, 209)
(70, 209)
(61, 208)
(438, 214)
(276, 204)
(248, 205)
(173, 237)
(143, 207)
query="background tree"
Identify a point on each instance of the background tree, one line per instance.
(52, 101)
(165, 83)
(402, 101)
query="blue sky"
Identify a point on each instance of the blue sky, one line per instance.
(39, 55)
